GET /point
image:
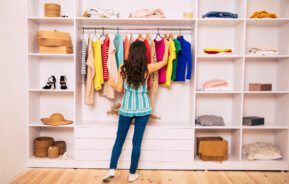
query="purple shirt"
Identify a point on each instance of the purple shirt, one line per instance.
(160, 51)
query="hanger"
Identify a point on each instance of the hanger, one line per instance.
(140, 37)
(158, 34)
(102, 34)
(171, 36)
(148, 37)
(117, 30)
(180, 33)
(166, 36)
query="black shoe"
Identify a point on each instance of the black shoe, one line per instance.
(62, 82)
(51, 82)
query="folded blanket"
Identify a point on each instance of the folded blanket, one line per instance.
(101, 13)
(263, 14)
(147, 13)
(210, 120)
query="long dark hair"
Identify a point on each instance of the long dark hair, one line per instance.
(135, 68)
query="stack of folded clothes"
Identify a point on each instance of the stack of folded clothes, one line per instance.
(216, 85)
(101, 13)
(217, 51)
(220, 14)
(263, 51)
(210, 120)
(263, 14)
(147, 13)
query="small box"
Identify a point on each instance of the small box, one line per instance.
(260, 87)
(253, 121)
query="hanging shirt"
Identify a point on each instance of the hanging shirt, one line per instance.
(126, 45)
(83, 56)
(154, 77)
(184, 60)
(98, 79)
(148, 53)
(104, 54)
(118, 43)
(160, 51)
(89, 88)
(172, 57)
(108, 91)
(175, 62)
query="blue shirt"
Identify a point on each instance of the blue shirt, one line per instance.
(185, 63)
(118, 44)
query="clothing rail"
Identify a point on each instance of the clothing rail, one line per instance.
(138, 28)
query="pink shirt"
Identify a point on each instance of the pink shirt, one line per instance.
(160, 51)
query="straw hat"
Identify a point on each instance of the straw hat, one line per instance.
(55, 120)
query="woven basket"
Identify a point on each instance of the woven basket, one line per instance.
(52, 10)
(53, 151)
(61, 145)
(40, 146)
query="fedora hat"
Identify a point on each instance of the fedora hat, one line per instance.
(55, 120)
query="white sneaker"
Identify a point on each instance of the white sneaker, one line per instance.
(109, 175)
(133, 177)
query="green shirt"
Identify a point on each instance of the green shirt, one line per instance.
(175, 61)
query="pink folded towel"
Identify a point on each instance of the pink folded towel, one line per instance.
(147, 13)
(216, 83)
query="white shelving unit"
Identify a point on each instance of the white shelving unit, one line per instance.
(168, 143)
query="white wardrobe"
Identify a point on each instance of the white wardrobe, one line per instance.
(169, 143)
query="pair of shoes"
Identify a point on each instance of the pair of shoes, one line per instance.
(111, 173)
(51, 83)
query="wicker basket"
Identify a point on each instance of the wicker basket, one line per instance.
(53, 151)
(61, 145)
(40, 146)
(52, 10)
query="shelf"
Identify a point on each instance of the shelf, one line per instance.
(219, 56)
(266, 92)
(155, 22)
(267, 21)
(49, 162)
(218, 127)
(218, 92)
(50, 91)
(264, 127)
(51, 20)
(219, 22)
(40, 124)
(267, 57)
(50, 55)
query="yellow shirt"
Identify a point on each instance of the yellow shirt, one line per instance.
(98, 78)
(172, 57)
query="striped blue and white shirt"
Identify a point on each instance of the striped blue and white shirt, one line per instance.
(135, 102)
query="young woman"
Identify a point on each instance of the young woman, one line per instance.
(135, 104)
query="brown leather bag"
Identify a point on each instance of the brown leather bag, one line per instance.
(212, 149)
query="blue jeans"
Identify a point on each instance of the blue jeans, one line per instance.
(123, 127)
